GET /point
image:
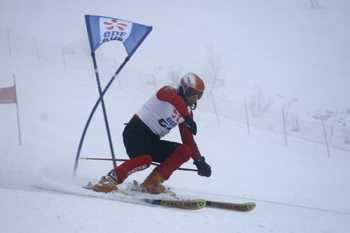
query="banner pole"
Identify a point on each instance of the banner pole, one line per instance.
(19, 128)
(103, 107)
(92, 113)
(18, 124)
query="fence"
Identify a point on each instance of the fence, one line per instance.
(336, 134)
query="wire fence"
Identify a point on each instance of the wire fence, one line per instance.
(335, 134)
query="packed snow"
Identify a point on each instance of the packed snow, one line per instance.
(291, 49)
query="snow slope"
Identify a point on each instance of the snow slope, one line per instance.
(288, 48)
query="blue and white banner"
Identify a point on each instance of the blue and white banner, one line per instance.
(103, 29)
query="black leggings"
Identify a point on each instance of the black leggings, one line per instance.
(140, 140)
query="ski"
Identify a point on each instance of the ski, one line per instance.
(245, 207)
(181, 204)
(175, 202)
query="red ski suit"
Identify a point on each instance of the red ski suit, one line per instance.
(162, 112)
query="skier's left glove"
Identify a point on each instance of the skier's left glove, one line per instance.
(203, 168)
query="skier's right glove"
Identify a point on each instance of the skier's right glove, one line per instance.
(192, 126)
(203, 168)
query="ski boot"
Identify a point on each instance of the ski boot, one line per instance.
(107, 183)
(153, 183)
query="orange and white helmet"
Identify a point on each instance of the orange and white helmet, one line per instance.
(191, 85)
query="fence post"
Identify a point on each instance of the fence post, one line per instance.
(8, 41)
(64, 59)
(284, 127)
(325, 137)
(37, 51)
(246, 116)
(216, 112)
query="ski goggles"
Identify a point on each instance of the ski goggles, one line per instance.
(191, 92)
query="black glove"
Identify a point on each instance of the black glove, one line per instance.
(203, 168)
(192, 126)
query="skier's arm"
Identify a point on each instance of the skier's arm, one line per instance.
(203, 168)
(168, 94)
(187, 138)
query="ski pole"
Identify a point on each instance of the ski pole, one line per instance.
(123, 160)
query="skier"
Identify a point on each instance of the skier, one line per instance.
(165, 110)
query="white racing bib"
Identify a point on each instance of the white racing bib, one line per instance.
(160, 116)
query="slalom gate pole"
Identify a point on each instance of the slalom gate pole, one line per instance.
(123, 160)
(103, 107)
(100, 99)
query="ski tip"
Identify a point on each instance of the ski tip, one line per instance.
(201, 203)
(249, 206)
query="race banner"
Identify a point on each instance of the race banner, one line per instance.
(104, 29)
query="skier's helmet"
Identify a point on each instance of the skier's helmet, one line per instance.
(191, 85)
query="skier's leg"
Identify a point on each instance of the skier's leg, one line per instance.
(153, 183)
(138, 144)
(180, 156)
